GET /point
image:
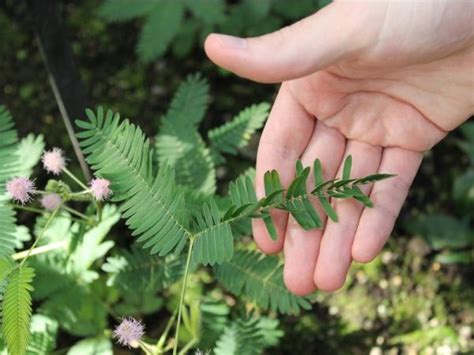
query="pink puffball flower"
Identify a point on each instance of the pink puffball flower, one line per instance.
(129, 332)
(51, 201)
(100, 189)
(20, 189)
(54, 161)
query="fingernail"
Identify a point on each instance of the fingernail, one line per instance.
(231, 41)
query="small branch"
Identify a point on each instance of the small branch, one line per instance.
(164, 335)
(28, 253)
(181, 300)
(76, 180)
(188, 346)
(39, 250)
(77, 213)
(29, 209)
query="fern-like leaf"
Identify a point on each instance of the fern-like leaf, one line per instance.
(43, 335)
(161, 26)
(8, 147)
(29, 153)
(16, 309)
(138, 272)
(235, 134)
(124, 10)
(153, 207)
(215, 243)
(209, 11)
(248, 337)
(189, 104)
(7, 230)
(259, 278)
(179, 144)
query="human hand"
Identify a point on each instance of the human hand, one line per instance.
(381, 81)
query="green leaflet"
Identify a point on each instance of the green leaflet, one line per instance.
(136, 271)
(214, 242)
(7, 230)
(124, 10)
(179, 144)
(161, 26)
(248, 337)
(259, 278)
(236, 133)
(8, 147)
(43, 335)
(16, 309)
(92, 346)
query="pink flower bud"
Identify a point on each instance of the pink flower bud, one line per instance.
(51, 201)
(20, 189)
(100, 189)
(129, 332)
(54, 161)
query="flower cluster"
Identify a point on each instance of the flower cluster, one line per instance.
(21, 189)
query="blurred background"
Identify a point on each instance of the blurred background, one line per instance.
(416, 298)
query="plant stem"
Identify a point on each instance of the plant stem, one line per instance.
(72, 176)
(29, 209)
(39, 250)
(188, 346)
(77, 213)
(181, 300)
(28, 253)
(164, 335)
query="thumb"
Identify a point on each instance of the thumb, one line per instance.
(294, 51)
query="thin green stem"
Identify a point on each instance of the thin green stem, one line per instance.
(188, 346)
(147, 348)
(77, 213)
(29, 209)
(40, 250)
(181, 300)
(72, 176)
(28, 254)
(164, 335)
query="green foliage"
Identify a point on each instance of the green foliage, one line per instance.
(16, 309)
(260, 279)
(29, 153)
(120, 152)
(16, 158)
(214, 242)
(161, 26)
(451, 236)
(235, 134)
(43, 332)
(138, 272)
(124, 10)
(179, 144)
(7, 230)
(248, 337)
(181, 23)
(155, 207)
(8, 146)
(65, 281)
(163, 21)
(92, 346)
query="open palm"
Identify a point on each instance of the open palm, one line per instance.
(382, 82)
